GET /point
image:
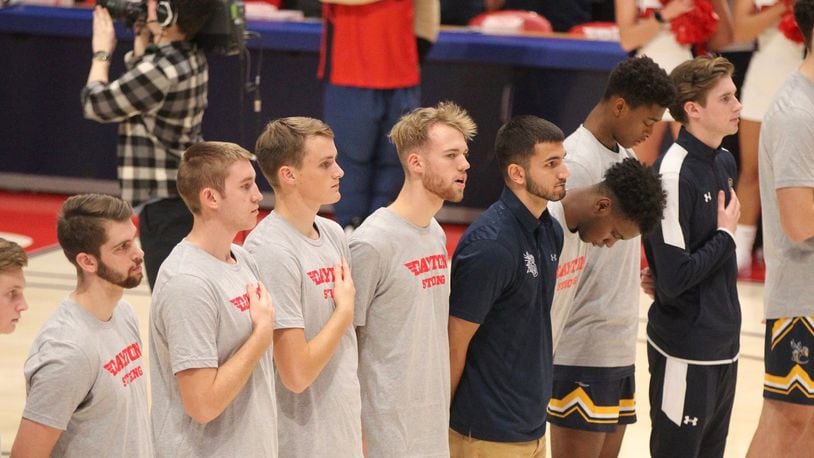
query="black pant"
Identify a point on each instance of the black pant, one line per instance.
(707, 407)
(162, 224)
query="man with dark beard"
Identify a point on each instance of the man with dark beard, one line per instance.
(400, 271)
(84, 373)
(503, 278)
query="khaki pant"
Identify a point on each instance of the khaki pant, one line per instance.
(461, 446)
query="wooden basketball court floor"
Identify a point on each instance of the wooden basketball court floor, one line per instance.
(50, 278)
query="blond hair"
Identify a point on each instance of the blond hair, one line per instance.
(283, 143)
(12, 256)
(206, 165)
(693, 79)
(412, 130)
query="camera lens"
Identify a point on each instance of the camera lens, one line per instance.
(128, 11)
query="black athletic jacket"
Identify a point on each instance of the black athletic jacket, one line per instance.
(696, 314)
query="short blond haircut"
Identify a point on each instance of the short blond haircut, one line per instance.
(412, 130)
(282, 143)
(206, 165)
(693, 79)
(12, 256)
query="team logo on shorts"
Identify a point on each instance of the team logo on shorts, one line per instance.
(531, 266)
(799, 352)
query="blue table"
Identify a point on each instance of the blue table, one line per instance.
(454, 45)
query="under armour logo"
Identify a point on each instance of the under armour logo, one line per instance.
(707, 196)
(688, 420)
(553, 258)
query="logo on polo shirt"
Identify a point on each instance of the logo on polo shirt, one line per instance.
(707, 196)
(531, 266)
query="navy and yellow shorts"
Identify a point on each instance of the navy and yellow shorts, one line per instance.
(593, 398)
(789, 362)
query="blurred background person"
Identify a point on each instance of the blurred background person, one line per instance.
(159, 104)
(645, 29)
(12, 284)
(777, 56)
(369, 61)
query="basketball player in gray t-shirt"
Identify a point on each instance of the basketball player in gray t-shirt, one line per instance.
(86, 390)
(401, 274)
(786, 162)
(303, 258)
(211, 321)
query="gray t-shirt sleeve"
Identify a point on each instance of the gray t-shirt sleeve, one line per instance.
(793, 162)
(282, 275)
(59, 377)
(190, 316)
(367, 273)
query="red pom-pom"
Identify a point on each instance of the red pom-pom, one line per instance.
(696, 26)
(788, 25)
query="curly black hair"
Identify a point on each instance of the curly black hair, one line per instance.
(641, 82)
(638, 193)
(804, 14)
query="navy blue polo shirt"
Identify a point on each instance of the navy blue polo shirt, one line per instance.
(503, 277)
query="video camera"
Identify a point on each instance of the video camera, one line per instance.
(224, 33)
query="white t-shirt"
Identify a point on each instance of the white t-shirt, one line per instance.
(600, 330)
(569, 272)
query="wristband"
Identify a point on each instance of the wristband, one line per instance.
(101, 56)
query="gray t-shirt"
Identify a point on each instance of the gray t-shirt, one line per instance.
(199, 319)
(325, 419)
(569, 272)
(601, 328)
(786, 160)
(86, 377)
(401, 273)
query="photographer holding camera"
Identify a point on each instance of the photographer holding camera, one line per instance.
(159, 104)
